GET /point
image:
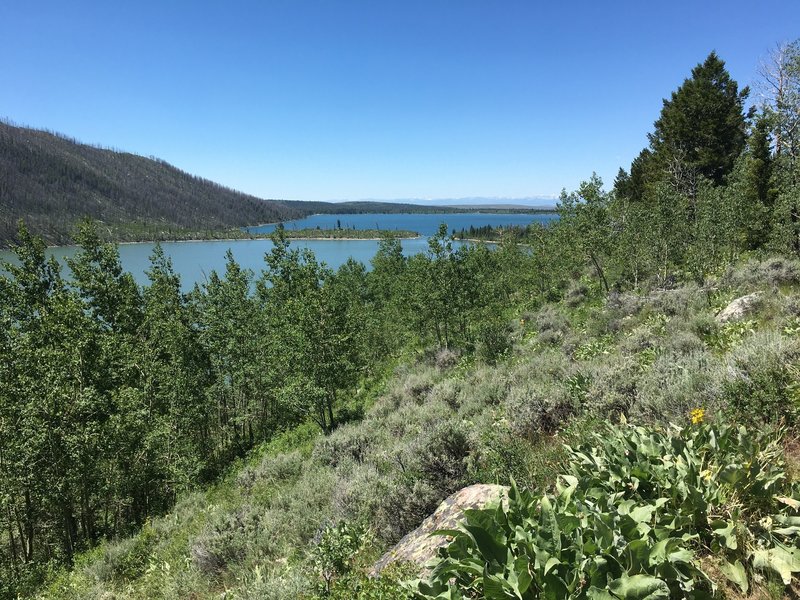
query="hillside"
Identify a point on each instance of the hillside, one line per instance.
(307, 514)
(52, 182)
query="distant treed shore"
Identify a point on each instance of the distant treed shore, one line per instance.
(313, 233)
(131, 235)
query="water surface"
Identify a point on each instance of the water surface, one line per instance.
(194, 261)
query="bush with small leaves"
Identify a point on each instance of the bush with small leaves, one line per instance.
(550, 320)
(224, 542)
(537, 407)
(764, 379)
(775, 271)
(494, 341)
(675, 383)
(577, 293)
(445, 358)
(335, 553)
(441, 457)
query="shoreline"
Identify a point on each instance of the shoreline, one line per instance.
(265, 237)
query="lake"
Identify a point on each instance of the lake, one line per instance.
(194, 261)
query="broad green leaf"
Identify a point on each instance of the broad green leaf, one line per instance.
(732, 474)
(520, 576)
(493, 586)
(594, 593)
(777, 560)
(640, 587)
(643, 514)
(637, 554)
(682, 555)
(660, 550)
(549, 529)
(736, 573)
(491, 548)
(551, 563)
(726, 532)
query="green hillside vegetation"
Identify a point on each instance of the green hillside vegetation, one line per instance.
(53, 182)
(272, 444)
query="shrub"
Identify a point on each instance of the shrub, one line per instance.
(577, 293)
(271, 583)
(486, 387)
(501, 455)
(755, 273)
(224, 542)
(494, 340)
(681, 301)
(640, 338)
(447, 392)
(677, 382)
(441, 457)
(535, 407)
(416, 386)
(351, 442)
(763, 379)
(335, 553)
(683, 342)
(550, 321)
(357, 494)
(445, 358)
(611, 388)
(406, 502)
(272, 469)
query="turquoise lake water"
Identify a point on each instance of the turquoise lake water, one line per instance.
(195, 261)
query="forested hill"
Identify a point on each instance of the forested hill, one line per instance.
(52, 182)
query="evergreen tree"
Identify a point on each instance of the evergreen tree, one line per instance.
(702, 127)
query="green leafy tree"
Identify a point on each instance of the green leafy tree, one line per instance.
(584, 217)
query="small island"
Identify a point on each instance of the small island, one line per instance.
(316, 233)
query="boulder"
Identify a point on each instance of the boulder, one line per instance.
(738, 308)
(420, 546)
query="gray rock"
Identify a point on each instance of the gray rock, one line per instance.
(420, 546)
(738, 308)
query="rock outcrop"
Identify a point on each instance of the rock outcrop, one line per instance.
(420, 546)
(738, 308)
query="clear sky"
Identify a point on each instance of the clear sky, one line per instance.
(318, 100)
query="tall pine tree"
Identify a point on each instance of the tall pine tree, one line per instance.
(702, 128)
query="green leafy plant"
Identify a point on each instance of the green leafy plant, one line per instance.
(336, 553)
(628, 520)
(593, 348)
(731, 334)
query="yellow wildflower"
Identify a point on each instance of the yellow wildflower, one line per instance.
(697, 415)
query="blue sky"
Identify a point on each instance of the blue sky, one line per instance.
(318, 100)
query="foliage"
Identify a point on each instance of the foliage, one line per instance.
(628, 518)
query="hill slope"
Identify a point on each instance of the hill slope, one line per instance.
(52, 182)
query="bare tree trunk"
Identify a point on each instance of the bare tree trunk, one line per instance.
(599, 270)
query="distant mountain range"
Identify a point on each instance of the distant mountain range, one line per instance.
(545, 203)
(51, 182)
